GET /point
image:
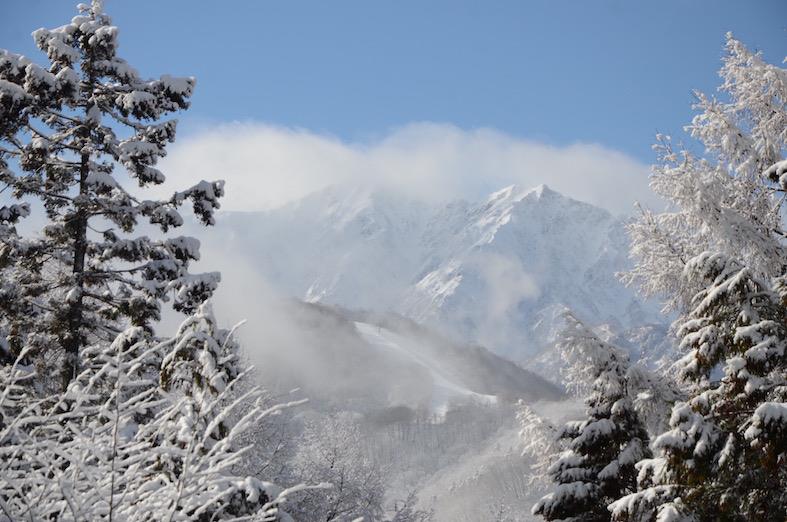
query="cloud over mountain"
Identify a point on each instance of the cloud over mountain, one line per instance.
(266, 166)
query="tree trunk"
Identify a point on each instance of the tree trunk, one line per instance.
(72, 341)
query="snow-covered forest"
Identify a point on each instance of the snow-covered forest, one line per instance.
(363, 354)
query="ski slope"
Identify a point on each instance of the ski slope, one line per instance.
(445, 390)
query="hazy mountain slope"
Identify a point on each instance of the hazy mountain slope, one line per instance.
(366, 362)
(480, 369)
(445, 390)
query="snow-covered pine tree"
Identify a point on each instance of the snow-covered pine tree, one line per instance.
(211, 408)
(724, 456)
(141, 429)
(204, 358)
(730, 199)
(74, 455)
(598, 466)
(197, 440)
(718, 258)
(65, 131)
(116, 445)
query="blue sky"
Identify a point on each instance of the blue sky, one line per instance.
(609, 72)
(439, 99)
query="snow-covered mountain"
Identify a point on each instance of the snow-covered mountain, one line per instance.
(497, 272)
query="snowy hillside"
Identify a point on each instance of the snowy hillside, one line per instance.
(369, 362)
(444, 390)
(496, 272)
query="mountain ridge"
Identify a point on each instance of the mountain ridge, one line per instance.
(486, 271)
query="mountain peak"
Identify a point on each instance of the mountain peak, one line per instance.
(541, 191)
(504, 196)
(513, 194)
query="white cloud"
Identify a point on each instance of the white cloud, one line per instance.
(507, 284)
(266, 166)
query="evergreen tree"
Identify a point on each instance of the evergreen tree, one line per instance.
(204, 358)
(598, 466)
(65, 130)
(730, 200)
(141, 428)
(718, 258)
(724, 456)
